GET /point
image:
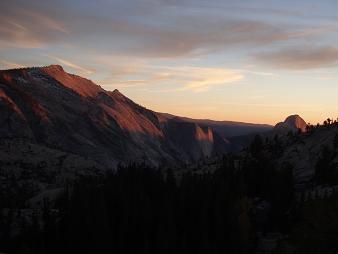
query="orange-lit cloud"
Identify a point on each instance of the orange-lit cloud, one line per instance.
(186, 78)
(11, 65)
(199, 79)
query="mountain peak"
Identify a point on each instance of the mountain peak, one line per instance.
(82, 86)
(296, 121)
(292, 123)
(292, 117)
(53, 67)
(117, 94)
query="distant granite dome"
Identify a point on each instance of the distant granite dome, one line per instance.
(291, 123)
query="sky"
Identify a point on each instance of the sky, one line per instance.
(245, 60)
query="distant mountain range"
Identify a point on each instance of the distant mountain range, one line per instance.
(53, 109)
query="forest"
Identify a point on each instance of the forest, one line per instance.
(140, 209)
(146, 210)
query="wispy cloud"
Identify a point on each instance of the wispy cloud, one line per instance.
(152, 28)
(198, 79)
(11, 65)
(182, 37)
(300, 57)
(258, 73)
(72, 65)
(46, 22)
(178, 79)
(25, 28)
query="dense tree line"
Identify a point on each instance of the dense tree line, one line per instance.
(144, 210)
(139, 209)
(326, 171)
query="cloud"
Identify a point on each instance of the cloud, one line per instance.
(140, 76)
(25, 28)
(149, 79)
(190, 35)
(257, 73)
(198, 79)
(300, 58)
(11, 65)
(176, 79)
(151, 28)
(72, 65)
(172, 29)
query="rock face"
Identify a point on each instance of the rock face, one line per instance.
(50, 107)
(228, 129)
(305, 151)
(292, 123)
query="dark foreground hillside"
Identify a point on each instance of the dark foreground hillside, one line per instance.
(244, 203)
(141, 210)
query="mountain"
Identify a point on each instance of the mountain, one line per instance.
(56, 127)
(51, 108)
(227, 129)
(292, 123)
